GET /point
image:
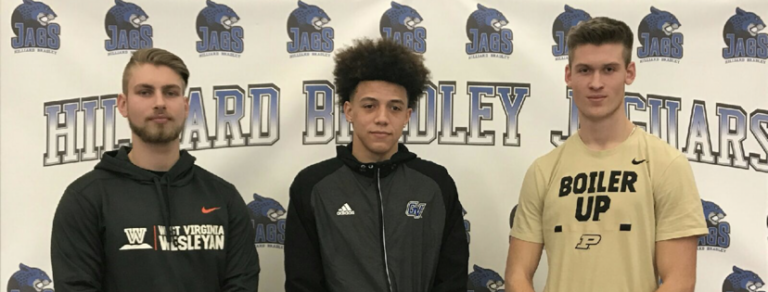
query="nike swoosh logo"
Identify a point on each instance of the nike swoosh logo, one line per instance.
(635, 162)
(206, 211)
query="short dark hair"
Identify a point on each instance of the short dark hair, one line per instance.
(157, 57)
(379, 60)
(598, 31)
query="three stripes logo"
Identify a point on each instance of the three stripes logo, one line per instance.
(345, 210)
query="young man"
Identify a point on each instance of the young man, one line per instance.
(147, 218)
(376, 217)
(615, 207)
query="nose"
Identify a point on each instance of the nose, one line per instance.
(159, 100)
(382, 116)
(596, 82)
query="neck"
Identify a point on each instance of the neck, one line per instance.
(365, 155)
(606, 133)
(154, 157)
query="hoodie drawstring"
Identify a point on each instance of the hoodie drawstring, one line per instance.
(165, 209)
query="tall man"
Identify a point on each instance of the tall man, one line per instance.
(614, 206)
(147, 218)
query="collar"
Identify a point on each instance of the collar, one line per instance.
(403, 155)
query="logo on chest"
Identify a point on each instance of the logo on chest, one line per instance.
(596, 185)
(415, 209)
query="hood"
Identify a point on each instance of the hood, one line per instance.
(402, 155)
(180, 174)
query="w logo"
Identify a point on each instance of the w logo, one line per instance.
(415, 209)
(135, 239)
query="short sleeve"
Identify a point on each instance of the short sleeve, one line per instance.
(527, 221)
(678, 208)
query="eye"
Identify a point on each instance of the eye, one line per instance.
(368, 106)
(397, 108)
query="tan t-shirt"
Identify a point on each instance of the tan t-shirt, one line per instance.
(600, 213)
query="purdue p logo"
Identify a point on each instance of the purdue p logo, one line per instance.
(588, 240)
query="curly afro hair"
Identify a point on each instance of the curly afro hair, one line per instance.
(381, 60)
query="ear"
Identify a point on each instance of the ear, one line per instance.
(568, 74)
(654, 10)
(631, 73)
(481, 7)
(210, 3)
(739, 11)
(348, 111)
(119, 2)
(395, 5)
(568, 8)
(302, 4)
(122, 104)
(408, 114)
(186, 106)
(28, 2)
(737, 270)
(23, 267)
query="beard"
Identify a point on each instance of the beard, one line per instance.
(156, 134)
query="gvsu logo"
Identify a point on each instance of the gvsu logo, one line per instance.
(400, 24)
(743, 40)
(266, 215)
(484, 280)
(742, 281)
(33, 28)
(487, 35)
(563, 23)
(658, 38)
(217, 31)
(125, 29)
(28, 279)
(308, 32)
(719, 237)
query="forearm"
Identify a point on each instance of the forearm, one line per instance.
(679, 284)
(518, 284)
(522, 261)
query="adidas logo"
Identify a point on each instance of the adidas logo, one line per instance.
(345, 210)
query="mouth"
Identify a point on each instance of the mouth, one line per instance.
(379, 134)
(137, 20)
(596, 97)
(498, 25)
(755, 29)
(319, 22)
(160, 119)
(411, 23)
(228, 22)
(669, 28)
(44, 19)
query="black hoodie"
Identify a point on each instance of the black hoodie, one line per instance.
(109, 231)
(390, 226)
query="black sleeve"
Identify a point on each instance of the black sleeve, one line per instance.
(242, 272)
(452, 266)
(303, 264)
(77, 252)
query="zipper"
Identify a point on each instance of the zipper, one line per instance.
(383, 233)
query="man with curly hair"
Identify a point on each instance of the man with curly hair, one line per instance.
(376, 217)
